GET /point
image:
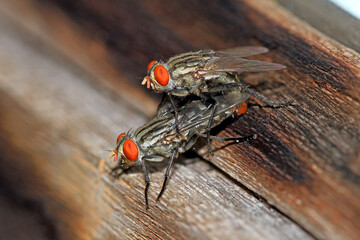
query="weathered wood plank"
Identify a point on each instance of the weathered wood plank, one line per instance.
(306, 159)
(56, 124)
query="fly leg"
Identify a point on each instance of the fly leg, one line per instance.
(176, 114)
(214, 107)
(209, 128)
(229, 86)
(167, 173)
(262, 98)
(162, 106)
(147, 183)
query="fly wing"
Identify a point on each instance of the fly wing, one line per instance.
(228, 60)
(230, 100)
(241, 51)
(226, 102)
(204, 57)
(239, 65)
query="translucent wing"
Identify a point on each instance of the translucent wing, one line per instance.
(228, 60)
(241, 51)
(238, 65)
(203, 57)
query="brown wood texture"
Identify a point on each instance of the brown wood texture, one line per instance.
(56, 125)
(60, 112)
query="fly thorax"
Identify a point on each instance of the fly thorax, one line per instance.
(181, 71)
(149, 143)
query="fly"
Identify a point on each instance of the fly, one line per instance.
(205, 73)
(158, 140)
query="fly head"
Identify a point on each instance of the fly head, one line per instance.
(158, 77)
(126, 152)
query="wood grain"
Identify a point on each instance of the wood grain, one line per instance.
(304, 164)
(55, 128)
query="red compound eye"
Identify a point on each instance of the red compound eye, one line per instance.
(118, 138)
(161, 75)
(150, 65)
(130, 150)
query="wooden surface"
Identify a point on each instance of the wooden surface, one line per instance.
(70, 76)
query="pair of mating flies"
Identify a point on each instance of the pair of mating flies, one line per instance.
(210, 80)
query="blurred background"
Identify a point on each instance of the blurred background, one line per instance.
(351, 6)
